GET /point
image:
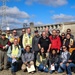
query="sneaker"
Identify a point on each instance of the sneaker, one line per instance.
(56, 72)
(64, 73)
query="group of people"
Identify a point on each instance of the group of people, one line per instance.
(47, 52)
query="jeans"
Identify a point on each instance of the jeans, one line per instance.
(13, 65)
(35, 57)
(69, 68)
(62, 68)
(56, 68)
(42, 68)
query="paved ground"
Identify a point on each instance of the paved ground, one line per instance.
(7, 72)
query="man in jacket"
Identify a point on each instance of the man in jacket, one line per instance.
(4, 44)
(35, 48)
(55, 41)
(21, 39)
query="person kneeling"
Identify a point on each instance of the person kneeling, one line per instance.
(71, 63)
(28, 60)
(41, 61)
(54, 61)
(14, 53)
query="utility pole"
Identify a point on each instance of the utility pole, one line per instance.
(4, 15)
(4, 21)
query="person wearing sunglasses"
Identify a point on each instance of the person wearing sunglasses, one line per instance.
(69, 42)
(62, 38)
(69, 32)
(64, 58)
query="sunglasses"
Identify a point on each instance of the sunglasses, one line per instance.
(64, 47)
(63, 35)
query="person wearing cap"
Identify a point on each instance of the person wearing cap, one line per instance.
(35, 48)
(4, 44)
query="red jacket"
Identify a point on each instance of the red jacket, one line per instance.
(55, 43)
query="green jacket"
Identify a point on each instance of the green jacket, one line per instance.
(3, 43)
(41, 60)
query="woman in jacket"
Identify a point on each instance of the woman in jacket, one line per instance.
(53, 61)
(64, 58)
(41, 61)
(71, 63)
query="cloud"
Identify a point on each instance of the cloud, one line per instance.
(73, 6)
(63, 18)
(38, 23)
(13, 21)
(47, 2)
(14, 16)
(14, 12)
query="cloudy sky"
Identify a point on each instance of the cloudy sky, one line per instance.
(38, 11)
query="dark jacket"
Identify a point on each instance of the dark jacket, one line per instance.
(35, 43)
(72, 57)
(54, 59)
(21, 37)
(72, 36)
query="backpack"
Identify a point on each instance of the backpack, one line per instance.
(12, 47)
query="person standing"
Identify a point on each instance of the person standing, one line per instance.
(47, 32)
(68, 41)
(4, 44)
(35, 48)
(44, 42)
(21, 38)
(55, 40)
(14, 35)
(27, 38)
(69, 32)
